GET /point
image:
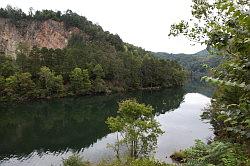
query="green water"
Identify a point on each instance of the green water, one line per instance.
(44, 132)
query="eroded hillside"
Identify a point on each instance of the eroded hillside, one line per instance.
(48, 33)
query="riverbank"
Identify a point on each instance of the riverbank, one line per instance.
(109, 91)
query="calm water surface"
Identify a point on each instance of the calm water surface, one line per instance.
(44, 133)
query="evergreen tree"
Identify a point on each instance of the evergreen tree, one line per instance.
(51, 84)
(79, 81)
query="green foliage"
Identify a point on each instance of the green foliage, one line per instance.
(22, 52)
(136, 128)
(178, 156)
(217, 153)
(106, 71)
(50, 83)
(229, 114)
(17, 87)
(7, 67)
(76, 40)
(98, 71)
(69, 18)
(226, 30)
(79, 81)
(224, 26)
(74, 160)
(99, 85)
(146, 162)
(14, 14)
(134, 162)
(107, 63)
(196, 64)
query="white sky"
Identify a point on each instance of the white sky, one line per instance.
(144, 23)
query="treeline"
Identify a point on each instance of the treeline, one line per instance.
(85, 66)
(43, 73)
(194, 63)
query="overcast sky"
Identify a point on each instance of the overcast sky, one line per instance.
(144, 23)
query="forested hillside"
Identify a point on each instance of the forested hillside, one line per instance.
(93, 61)
(194, 63)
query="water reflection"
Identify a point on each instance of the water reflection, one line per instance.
(183, 126)
(42, 133)
(54, 125)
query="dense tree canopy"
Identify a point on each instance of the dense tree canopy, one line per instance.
(94, 61)
(197, 64)
(79, 80)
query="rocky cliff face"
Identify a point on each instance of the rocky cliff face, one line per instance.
(49, 33)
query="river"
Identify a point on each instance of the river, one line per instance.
(45, 132)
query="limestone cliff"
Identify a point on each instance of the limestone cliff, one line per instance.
(49, 33)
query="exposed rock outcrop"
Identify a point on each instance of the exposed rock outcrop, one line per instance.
(49, 33)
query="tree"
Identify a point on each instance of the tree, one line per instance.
(225, 26)
(7, 67)
(51, 84)
(34, 61)
(22, 54)
(31, 14)
(15, 14)
(75, 160)
(99, 84)
(86, 80)
(18, 87)
(10, 88)
(2, 84)
(111, 63)
(132, 65)
(136, 127)
(25, 87)
(149, 71)
(79, 81)
(98, 71)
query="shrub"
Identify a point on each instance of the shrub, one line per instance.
(75, 160)
(216, 153)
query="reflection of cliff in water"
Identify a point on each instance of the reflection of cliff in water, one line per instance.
(74, 123)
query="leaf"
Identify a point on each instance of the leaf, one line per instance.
(248, 122)
(231, 8)
(236, 14)
(248, 135)
(222, 117)
(227, 120)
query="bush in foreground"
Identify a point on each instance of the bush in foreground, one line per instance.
(217, 153)
(77, 161)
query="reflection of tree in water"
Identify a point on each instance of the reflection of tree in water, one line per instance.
(196, 86)
(162, 100)
(54, 125)
(71, 122)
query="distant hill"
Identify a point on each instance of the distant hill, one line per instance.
(193, 62)
(202, 53)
